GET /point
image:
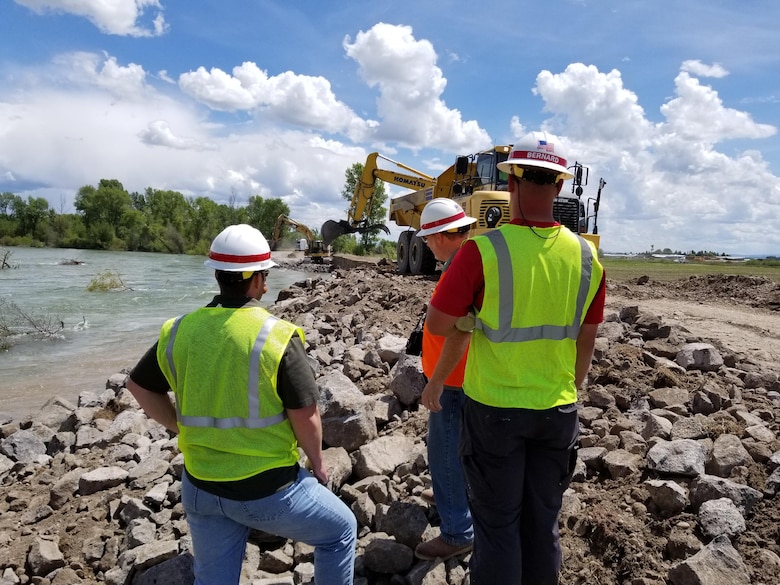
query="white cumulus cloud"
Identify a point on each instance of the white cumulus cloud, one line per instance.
(297, 99)
(410, 84)
(115, 17)
(159, 133)
(592, 105)
(671, 182)
(103, 71)
(698, 113)
(700, 69)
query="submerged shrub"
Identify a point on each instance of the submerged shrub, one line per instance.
(107, 280)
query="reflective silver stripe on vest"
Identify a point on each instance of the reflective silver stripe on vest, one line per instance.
(253, 389)
(505, 331)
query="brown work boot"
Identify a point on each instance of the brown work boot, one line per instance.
(438, 549)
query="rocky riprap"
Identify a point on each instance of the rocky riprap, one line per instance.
(676, 482)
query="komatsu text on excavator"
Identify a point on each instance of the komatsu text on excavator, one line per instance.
(474, 182)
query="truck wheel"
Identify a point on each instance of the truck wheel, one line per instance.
(421, 259)
(402, 252)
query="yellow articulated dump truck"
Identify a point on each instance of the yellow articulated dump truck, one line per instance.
(473, 181)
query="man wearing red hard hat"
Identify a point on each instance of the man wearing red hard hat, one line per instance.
(536, 293)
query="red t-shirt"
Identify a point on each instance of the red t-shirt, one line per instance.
(464, 285)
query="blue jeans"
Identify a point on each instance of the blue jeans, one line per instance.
(449, 486)
(305, 511)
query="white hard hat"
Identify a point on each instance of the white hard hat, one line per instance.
(240, 248)
(441, 215)
(538, 150)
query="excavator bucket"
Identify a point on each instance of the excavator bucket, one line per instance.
(333, 229)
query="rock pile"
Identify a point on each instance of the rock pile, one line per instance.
(676, 483)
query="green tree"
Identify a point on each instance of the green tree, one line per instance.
(386, 248)
(377, 213)
(134, 231)
(30, 214)
(208, 218)
(103, 209)
(168, 212)
(105, 204)
(346, 244)
(231, 213)
(167, 207)
(68, 230)
(6, 202)
(173, 240)
(138, 201)
(17, 208)
(9, 224)
(204, 224)
(262, 213)
(101, 235)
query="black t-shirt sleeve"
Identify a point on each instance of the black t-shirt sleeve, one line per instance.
(147, 373)
(295, 381)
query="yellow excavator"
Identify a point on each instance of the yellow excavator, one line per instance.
(311, 247)
(473, 181)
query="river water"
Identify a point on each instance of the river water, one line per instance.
(102, 332)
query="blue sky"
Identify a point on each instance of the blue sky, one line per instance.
(675, 104)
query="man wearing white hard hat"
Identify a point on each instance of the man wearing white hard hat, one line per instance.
(538, 291)
(444, 227)
(245, 400)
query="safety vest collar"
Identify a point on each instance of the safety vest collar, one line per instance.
(226, 302)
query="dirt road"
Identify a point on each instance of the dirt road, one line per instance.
(742, 329)
(742, 314)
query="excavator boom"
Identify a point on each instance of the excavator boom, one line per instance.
(359, 210)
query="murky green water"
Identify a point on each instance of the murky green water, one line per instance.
(102, 332)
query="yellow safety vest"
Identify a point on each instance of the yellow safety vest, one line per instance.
(222, 364)
(537, 291)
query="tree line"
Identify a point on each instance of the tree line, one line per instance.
(108, 217)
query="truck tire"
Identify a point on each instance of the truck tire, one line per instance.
(421, 259)
(402, 252)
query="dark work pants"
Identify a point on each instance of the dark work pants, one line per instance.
(517, 463)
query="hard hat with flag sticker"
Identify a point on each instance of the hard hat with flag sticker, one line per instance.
(442, 215)
(538, 150)
(240, 248)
